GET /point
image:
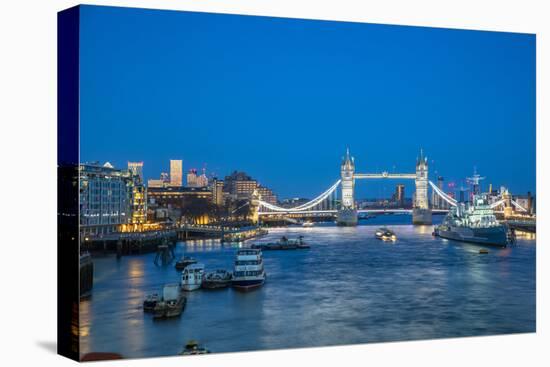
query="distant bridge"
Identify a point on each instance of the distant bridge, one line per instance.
(345, 210)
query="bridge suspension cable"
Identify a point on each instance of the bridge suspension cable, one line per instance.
(497, 203)
(443, 195)
(310, 204)
(518, 206)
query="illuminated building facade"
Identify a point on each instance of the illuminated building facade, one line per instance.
(139, 204)
(266, 195)
(239, 185)
(136, 168)
(400, 195)
(217, 192)
(172, 197)
(192, 178)
(202, 180)
(164, 181)
(106, 197)
(176, 173)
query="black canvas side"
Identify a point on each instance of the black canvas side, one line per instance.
(68, 253)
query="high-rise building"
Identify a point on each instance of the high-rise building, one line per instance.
(437, 201)
(217, 192)
(266, 195)
(202, 180)
(239, 185)
(136, 168)
(192, 178)
(139, 204)
(176, 173)
(400, 195)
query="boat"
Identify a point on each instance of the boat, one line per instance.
(193, 348)
(474, 223)
(283, 244)
(191, 278)
(150, 302)
(385, 234)
(249, 270)
(184, 262)
(308, 224)
(483, 251)
(171, 304)
(217, 279)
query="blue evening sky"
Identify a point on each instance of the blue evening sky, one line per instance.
(282, 98)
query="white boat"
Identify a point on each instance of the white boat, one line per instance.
(192, 277)
(308, 224)
(249, 270)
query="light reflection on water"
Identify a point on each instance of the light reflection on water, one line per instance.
(348, 288)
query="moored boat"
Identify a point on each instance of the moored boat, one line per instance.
(475, 223)
(184, 262)
(217, 279)
(192, 276)
(171, 304)
(150, 302)
(249, 270)
(283, 244)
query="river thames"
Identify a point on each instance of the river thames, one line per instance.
(348, 288)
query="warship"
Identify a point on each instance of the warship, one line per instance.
(473, 222)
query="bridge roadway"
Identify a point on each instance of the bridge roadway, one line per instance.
(334, 212)
(360, 176)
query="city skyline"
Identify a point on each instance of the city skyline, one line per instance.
(282, 108)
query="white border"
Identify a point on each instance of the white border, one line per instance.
(28, 184)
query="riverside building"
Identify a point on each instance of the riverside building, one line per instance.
(106, 198)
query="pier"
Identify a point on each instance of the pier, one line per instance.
(125, 243)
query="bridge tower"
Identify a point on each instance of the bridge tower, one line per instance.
(255, 206)
(422, 213)
(508, 208)
(347, 215)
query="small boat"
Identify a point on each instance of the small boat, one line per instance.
(217, 279)
(308, 224)
(483, 251)
(192, 276)
(184, 262)
(385, 234)
(150, 302)
(249, 270)
(283, 244)
(193, 348)
(171, 304)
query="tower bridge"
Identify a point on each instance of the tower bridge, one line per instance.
(345, 210)
(347, 215)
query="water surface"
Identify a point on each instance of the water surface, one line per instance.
(348, 288)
